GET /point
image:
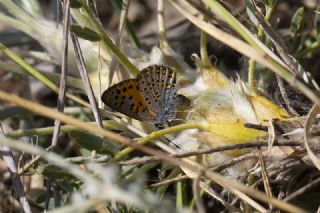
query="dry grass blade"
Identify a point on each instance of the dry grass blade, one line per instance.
(303, 190)
(235, 146)
(85, 78)
(9, 161)
(234, 161)
(271, 136)
(310, 119)
(161, 25)
(64, 71)
(61, 97)
(169, 181)
(196, 195)
(265, 177)
(248, 200)
(138, 161)
(122, 22)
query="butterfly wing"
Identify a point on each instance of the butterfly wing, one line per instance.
(125, 97)
(157, 87)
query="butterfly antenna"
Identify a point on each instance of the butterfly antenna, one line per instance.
(178, 119)
(186, 117)
(171, 142)
(160, 127)
(187, 110)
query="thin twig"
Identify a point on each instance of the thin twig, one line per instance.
(137, 161)
(235, 146)
(271, 136)
(234, 161)
(27, 166)
(303, 190)
(64, 70)
(248, 200)
(85, 78)
(161, 25)
(90, 159)
(196, 195)
(9, 161)
(114, 62)
(275, 168)
(169, 181)
(62, 88)
(265, 177)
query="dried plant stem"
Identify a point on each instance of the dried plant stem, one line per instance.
(109, 124)
(114, 62)
(217, 169)
(61, 96)
(312, 115)
(196, 195)
(169, 181)
(249, 201)
(233, 147)
(86, 81)
(265, 176)
(303, 190)
(28, 165)
(64, 71)
(82, 160)
(85, 78)
(234, 161)
(138, 161)
(129, 29)
(162, 27)
(6, 153)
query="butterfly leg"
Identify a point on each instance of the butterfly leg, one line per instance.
(159, 126)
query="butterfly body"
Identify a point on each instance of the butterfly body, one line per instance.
(151, 96)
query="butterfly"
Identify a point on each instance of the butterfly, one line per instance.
(151, 96)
